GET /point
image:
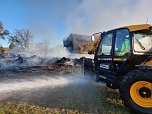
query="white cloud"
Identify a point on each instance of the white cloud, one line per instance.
(98, 15)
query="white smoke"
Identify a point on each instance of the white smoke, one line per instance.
(23, 84)
(42, 50)
(13, 85)
(45, 51)
(101, 15)
(37, 54)
(50, 20)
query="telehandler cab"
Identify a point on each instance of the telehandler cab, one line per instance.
(123, 60)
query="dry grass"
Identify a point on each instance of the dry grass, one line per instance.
(107, 101)
(24, 108)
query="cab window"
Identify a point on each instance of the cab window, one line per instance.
(142, 41)
(122, 42)
(105, 47)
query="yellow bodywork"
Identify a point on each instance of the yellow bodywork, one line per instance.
(148, 62)
(136, 27)
(90, 48)
(84, 47)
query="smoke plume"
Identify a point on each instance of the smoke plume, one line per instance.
(51, 19)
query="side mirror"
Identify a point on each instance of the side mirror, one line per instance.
(92, 38)
(95, 36)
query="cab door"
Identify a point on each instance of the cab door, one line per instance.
(122, 51)
(104, 54)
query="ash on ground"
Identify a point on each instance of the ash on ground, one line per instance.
(37, 64)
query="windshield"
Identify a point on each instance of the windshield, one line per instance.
(142, 41)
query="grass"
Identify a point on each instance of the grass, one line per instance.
(112, 103)
(78, 99)
(24, 108)
(107, 101)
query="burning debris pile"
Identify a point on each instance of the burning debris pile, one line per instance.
(53, 65)
(26, 55)
(66, 65)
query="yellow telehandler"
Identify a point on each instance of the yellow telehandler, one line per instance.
(123, 60)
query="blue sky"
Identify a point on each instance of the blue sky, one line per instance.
(44, 18)
(13, 16)
(53, 20)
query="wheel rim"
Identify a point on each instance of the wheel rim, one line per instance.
(141, 93)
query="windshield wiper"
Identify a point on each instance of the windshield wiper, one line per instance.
(140, 44)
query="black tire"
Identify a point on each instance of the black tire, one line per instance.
(125, 85)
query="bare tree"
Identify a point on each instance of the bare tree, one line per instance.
(1, 25)
(3, 32)
(20, 39)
